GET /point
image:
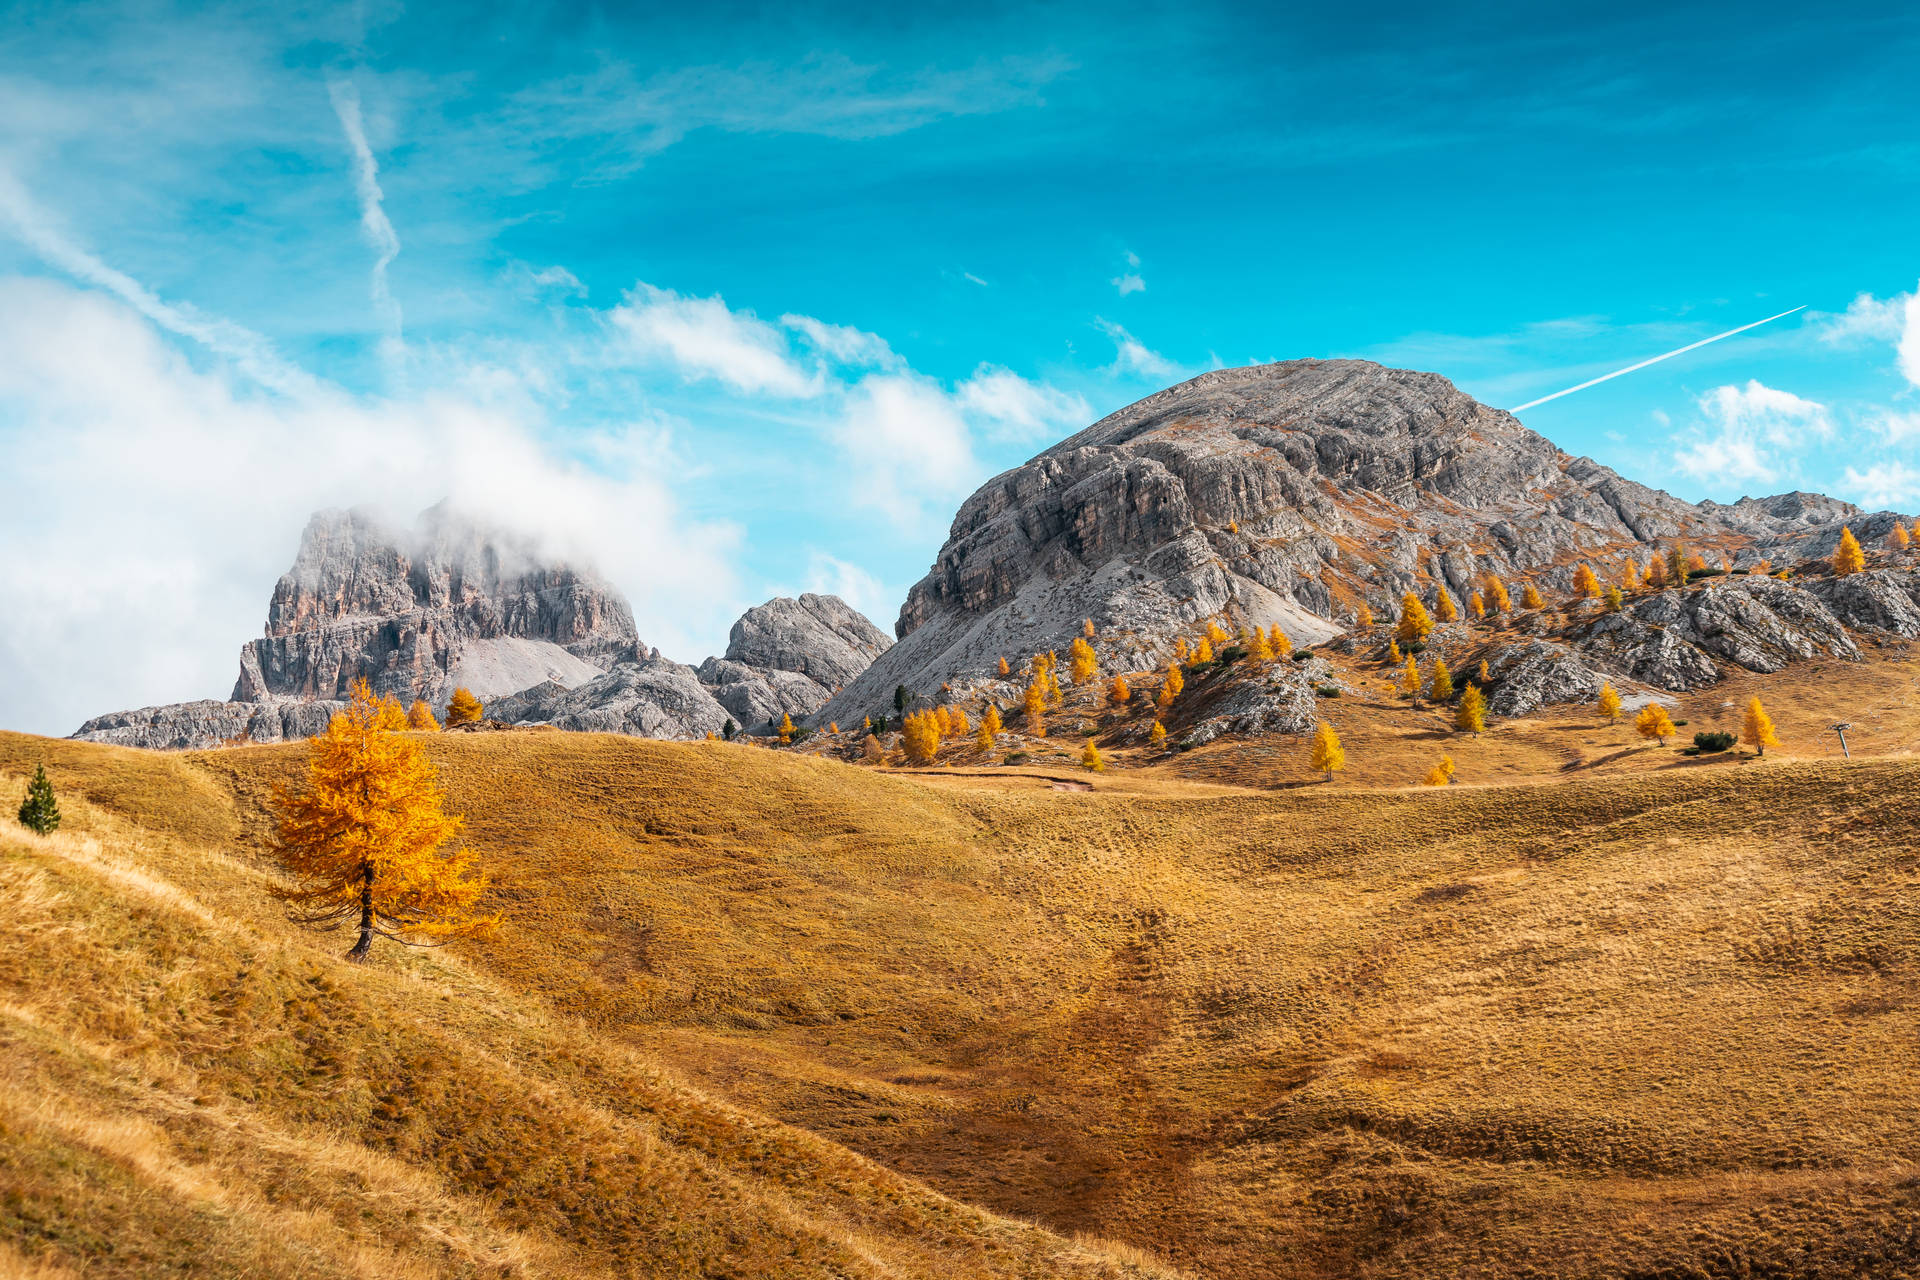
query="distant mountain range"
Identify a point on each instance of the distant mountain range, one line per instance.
(1292, 493)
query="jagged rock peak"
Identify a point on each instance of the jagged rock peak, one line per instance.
(406, 608)
(821, 637)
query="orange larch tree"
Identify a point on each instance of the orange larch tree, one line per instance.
(1848, 558)
(464, 708)
(365, 841)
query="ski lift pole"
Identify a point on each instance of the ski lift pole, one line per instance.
(1841, 729)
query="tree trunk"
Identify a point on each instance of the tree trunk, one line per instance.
(364, 946)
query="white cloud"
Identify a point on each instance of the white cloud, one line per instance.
(1894, 319)
(1885, 484)
(1133, 259)
(1013, 408)
(832, 576)
(1129, 283)
(704, 338)
(1898, 428)
(968, 275)
(1133, 356)
(909, 441)
(1744, 430)
(250, 353)
(906, 442)
(149, 506)
(844, 344)
(380, 234)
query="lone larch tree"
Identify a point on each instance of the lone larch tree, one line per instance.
(1653, 722)
(1757, 730)
(1328, 756)
(366, 841)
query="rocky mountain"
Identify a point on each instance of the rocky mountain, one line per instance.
(452, 603)
(1294, 493)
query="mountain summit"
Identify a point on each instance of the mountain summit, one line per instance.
(1290, 493)
(454, 603)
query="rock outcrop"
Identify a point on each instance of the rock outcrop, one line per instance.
(1291, 493)
(1676, 639)
(450, 604)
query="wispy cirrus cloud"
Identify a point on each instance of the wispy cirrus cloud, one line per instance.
(1132, 356)
(374, 223)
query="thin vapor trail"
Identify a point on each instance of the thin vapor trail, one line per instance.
(1655, 360)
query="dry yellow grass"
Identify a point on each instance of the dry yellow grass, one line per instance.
(192, 1088)
(1637, 1021)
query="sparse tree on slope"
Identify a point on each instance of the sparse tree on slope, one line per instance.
(1444, 606)
(920, 735)
(1585, 583)
(1615, 600)
(1158, 735)
(1757, 731)
(1653, 722)
(1090, 758)
(1656, 577)
(1609, 704)
(39, 812)
(1679, 564)
(872, 752)
(1204, 653)
(1899, 539)
(1498, 601)
(1035, 705)
(1531, 598)
(1415, 624)
(1216, 632)
(1086, 627)
(1471, 715)
(420, 716)
(990, 722)
(1082, 664)
(1477, 605)
(1363, 618)
(1327, 753)
(1393, 652)
(1282, 645)
(1440, 687)
(1410, 678)
(1441, 775)
(983, 741)
(1170, 687)
(1262, 647)
(1848, 558)
(1120, 692)
(365, 839)
(1005, 670)
(1482, 675)
(786, 727)
(464, 708)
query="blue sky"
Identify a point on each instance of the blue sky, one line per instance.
(745, 301)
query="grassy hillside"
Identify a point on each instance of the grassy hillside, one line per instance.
(191, 1088)
(1652, 1024)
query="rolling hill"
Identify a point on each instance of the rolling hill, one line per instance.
(763, 1013)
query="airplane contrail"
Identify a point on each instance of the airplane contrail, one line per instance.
(1655, 360)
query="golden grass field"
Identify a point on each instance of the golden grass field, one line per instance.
(1602, 1010)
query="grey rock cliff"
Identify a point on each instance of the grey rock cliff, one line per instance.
(419, 612)
(1288, 493)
